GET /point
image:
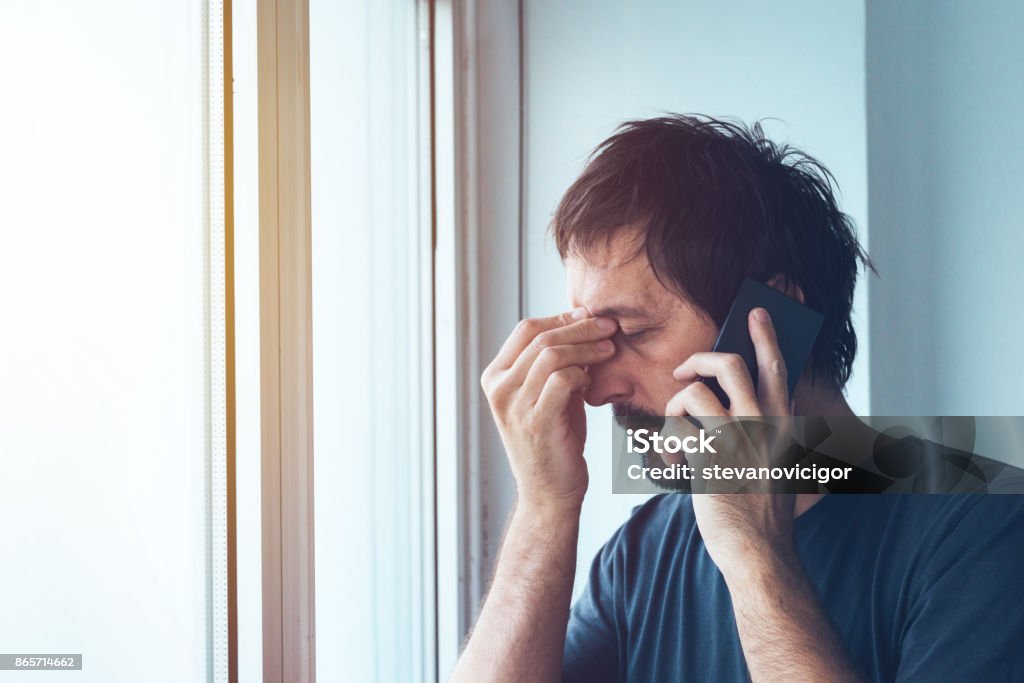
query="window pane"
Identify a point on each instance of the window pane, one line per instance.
(371, 332)
(103, 408)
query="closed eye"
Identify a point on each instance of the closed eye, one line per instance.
(634, 336)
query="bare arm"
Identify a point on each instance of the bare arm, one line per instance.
(520, 633)
(784, 632)
(534, 389)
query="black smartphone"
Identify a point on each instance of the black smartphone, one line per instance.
(796, 327)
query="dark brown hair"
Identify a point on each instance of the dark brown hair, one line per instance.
(717, 201)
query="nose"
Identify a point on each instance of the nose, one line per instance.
(609, 383)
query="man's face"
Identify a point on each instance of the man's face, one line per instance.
(658, 329)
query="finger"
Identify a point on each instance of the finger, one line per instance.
(551, 359)
(559, 387)
(583, 331)
(697, 400)
(731, 372)
(680, 426)
(528, 329)
(772, 385)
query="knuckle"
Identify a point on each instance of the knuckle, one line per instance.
(561, 378)
(493, 390)
(490, 379)
(497, 404)
(570, 317)
(774, 366)
(734, 362)
(568, 378)
(527, 326)
(543, 340)
(489, 373)
(549, 355)
(693, 390)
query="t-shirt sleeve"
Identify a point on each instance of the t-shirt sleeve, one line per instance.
(592, 638)
(963, 619)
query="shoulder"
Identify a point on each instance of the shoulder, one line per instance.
(967, 515)
(955, 540)
(979, 518)
(928, 522)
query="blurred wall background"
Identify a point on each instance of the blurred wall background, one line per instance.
(946, 158)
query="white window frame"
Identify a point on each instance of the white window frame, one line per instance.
(472, 84)
(478, 98)
(286, 395)
(220, 451)
(285, 293)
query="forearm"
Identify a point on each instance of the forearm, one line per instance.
(784, 632)
(520, 634)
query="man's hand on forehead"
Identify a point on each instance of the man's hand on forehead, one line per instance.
(534, 387)
(533, 335)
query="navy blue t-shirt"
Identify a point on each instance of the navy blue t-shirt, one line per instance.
(917, 587)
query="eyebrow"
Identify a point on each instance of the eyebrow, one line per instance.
(621, 312)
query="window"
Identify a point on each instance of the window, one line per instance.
(112, 409)
(372, 369)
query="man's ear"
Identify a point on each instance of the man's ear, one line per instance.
(780, 282)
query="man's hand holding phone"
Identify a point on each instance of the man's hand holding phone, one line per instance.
(740, 529)
(534, 387)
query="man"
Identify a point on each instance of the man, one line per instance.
(666, 220)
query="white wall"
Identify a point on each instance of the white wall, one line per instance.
(102, 397)
(591, 65)
(946, 162)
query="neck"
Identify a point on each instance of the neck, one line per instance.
(818, 399)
